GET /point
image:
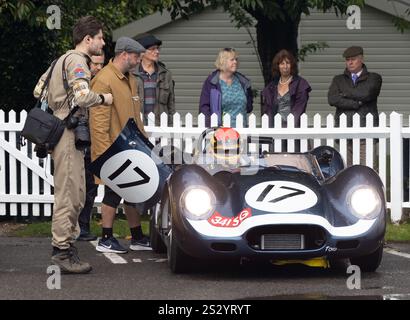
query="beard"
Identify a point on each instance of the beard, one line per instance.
(95, 51)
(130, 65)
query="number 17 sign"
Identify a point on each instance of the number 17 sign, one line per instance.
(130, 168)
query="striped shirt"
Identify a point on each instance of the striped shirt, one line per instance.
(150, 89)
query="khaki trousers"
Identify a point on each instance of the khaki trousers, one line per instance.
(69, 190)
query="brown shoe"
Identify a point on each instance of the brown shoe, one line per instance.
(69, 262)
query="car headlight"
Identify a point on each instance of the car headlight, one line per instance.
(198, 203)
(365, 202)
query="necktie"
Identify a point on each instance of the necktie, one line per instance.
(354, 78)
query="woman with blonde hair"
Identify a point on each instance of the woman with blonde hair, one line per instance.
(288, 92)
(226, 91)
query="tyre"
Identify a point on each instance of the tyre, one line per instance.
(339, 265)
(178, 260)
(370, 262)
(157, 244)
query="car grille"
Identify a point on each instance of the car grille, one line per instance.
(286, 237)
(282, 242)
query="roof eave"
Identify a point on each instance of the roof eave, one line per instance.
(395, 8)
(147, 24)
(143, 25)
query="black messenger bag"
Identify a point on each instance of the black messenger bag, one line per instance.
(43, 128)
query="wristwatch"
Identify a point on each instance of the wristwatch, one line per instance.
(102, 98)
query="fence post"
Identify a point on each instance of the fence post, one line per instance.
(396, 168)
(2, 166)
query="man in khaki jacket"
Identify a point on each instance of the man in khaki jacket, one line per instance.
(69, 173)
(106, 123)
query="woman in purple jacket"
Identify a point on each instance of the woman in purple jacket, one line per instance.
(226, 91)
(288, 92)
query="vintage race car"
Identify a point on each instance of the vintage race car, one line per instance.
(226, 202)
(281, 206)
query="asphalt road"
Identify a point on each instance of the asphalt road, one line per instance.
(145, 275)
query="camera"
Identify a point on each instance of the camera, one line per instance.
(41, 151)
(81, 131)
(72, 122)
(82, 134)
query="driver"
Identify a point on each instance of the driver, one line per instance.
(224, 146)
(223, 150)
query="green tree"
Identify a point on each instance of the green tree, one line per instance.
(277, 21)
(27, 46)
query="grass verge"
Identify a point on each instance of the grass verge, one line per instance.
(43, 229)
(398, 233)
(394, 233)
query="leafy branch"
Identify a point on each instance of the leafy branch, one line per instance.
(311, 48)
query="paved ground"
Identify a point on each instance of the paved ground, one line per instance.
(145, 275)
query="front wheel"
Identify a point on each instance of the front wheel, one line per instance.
(370, 262)
(339, 265)
(157, 244)
(178, 260)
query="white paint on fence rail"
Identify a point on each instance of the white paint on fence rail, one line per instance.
(34, 187)
(24, 173)
(396, 160)
(383, 150)
(2, 165)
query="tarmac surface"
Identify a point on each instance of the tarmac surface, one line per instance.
(144, 275)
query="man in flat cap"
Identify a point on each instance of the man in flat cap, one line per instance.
(355, 91)
(106, 124)
(155, 84)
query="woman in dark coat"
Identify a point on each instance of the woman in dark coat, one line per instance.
(288, 92)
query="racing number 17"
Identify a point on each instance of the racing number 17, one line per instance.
(268, 189)
(126, 164)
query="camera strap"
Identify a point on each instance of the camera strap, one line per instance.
(72, 112)
(65, 81)
(67, 88)
(46, 82)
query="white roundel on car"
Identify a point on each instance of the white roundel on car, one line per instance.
(131, 174)
(280, 196)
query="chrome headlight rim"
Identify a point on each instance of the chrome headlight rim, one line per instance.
(353, 206)
(186, 210)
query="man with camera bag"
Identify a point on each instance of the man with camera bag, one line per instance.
(69, 87)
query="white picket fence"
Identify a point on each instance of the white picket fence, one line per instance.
(26, 182)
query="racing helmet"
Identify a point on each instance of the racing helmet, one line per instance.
(225, 143)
